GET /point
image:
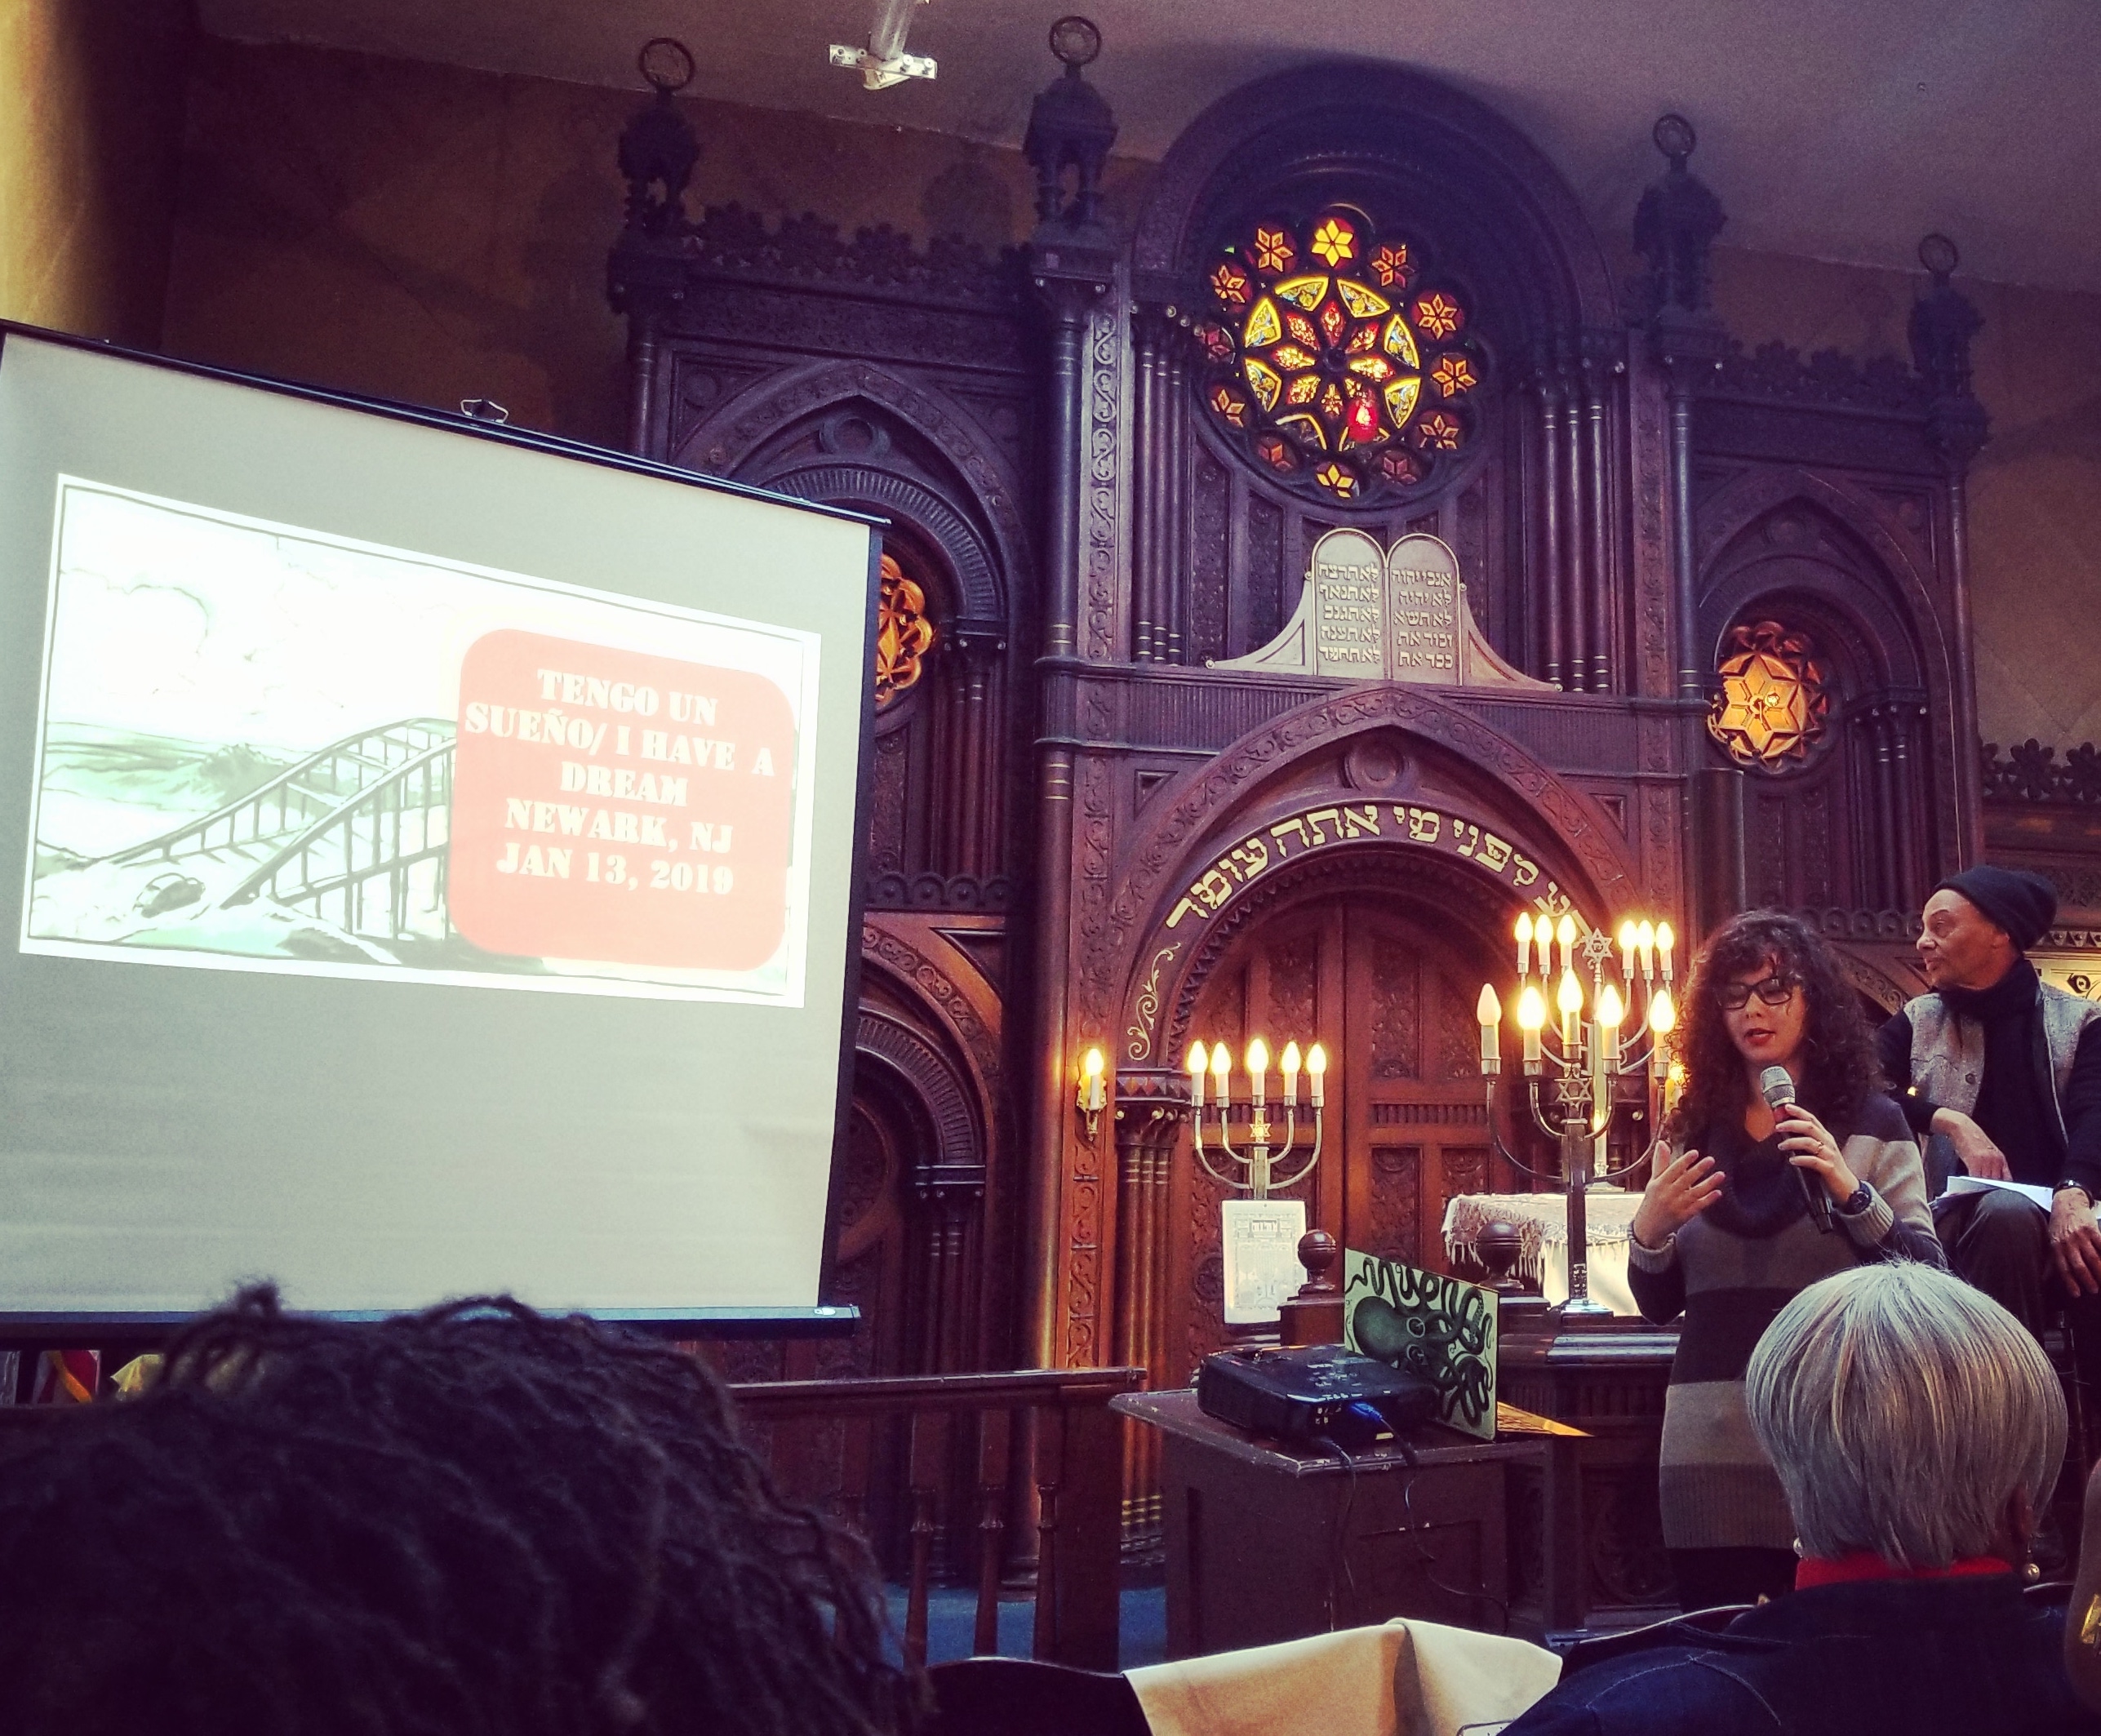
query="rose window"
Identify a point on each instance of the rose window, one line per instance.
(1775, 697)
(1331, 364)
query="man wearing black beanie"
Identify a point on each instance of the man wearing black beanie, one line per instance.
(2009, 1069)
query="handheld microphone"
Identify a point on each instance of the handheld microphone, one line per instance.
(1778, 1089)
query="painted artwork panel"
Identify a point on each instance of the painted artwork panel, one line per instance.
(1438, 1327)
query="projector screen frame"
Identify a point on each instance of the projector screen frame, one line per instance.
(38, 1329)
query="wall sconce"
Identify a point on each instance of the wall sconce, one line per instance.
(1093, 1094)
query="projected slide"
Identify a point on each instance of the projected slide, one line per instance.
(265, 748)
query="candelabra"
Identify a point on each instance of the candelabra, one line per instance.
(1260, 1158)
(1587, 1055)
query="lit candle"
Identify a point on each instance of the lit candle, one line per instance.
(1664, 940)
(1531, 1016)
(1489, 1010)
(1609, 1013)
(1290, 1066)
(1197, 1063)
(1627, 936)
(1569, 998)
(1221, 1071)
(1525, 945)
(1258, 1068)
(1644, 943)
(1097, 1093)
(1565, 934)
(1317, 1069)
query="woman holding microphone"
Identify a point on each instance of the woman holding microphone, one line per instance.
(1753, 1198)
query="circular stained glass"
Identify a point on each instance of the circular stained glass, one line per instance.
(1332, 364)
(1775, 698)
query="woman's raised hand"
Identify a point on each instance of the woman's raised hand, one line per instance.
(1679, 1189)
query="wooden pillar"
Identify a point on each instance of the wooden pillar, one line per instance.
(1597, 381)
(1068, 297)
(1550, 525)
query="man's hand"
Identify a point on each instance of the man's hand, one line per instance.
(1973, 1145)
(2075, 1241)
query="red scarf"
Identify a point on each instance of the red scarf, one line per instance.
(1865, 1564)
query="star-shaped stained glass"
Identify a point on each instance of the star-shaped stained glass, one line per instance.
(1776, 699)
(1315, 357)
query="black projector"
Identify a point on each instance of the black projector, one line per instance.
(1323, 1392)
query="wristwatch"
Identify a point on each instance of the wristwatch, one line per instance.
(2074, 1187)
(1857, 1201)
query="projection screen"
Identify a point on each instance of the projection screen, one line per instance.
(430, 857)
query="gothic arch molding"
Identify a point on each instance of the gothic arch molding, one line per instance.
(1745, 501)
(977, 578)
(728, 440)
(1468, 900)
(1568, 835)
(1333, 116)
(944, 1097)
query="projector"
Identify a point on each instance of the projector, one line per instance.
(1304, 1395)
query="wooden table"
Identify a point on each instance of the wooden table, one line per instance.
(1267, 1541)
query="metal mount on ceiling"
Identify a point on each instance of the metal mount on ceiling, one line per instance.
(884, 62)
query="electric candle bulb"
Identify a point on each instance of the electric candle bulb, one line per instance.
(1569, 998)
(1524, 944)
(1565, 934)
(1290, 1063)
(1258, 1068)
(1316, 1068)
(1665, 941)
(1611, 1010)
(1094, 1092)
(1198, 1063)
(1644, 943)
(1531, 1015)
(1662, 1016)
(1221, 1066)
(1627, 938)
(1489, 1010)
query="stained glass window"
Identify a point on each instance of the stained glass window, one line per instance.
(1341, 370)
(904, 635)
(1775, 697)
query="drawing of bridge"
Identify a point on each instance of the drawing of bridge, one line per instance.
(355, 836)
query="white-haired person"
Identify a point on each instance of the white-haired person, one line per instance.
(1917, 1429)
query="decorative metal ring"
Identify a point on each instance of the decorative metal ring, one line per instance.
(1076, 40)
(667, 63)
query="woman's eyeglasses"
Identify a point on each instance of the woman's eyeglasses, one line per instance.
(1774, 991)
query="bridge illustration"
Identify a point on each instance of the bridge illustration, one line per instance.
(355, 836)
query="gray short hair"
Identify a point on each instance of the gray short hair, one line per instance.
(1902, 1409)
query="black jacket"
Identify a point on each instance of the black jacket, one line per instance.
(1968, 1657)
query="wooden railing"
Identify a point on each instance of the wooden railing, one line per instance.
(1053, 1424)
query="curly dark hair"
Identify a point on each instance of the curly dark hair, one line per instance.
(476, 1521)
(1842, 1069)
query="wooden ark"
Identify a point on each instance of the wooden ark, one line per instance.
(1087, 833)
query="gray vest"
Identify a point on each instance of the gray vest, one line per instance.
(1947, 1053)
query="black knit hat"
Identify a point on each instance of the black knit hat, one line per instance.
(2024, 904)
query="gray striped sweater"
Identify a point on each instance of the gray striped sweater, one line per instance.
(1729, 1272)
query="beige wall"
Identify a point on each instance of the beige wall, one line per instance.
(90, 104)
(2036, 491)
(431, 233)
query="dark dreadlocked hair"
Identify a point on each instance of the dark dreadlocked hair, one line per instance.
(1841, 1068)
(472, 1521)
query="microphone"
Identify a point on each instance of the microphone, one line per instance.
(1778, 1089)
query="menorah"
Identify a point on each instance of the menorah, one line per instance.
(1588, 1057)
(1260, 1157)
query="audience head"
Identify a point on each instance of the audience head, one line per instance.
(476, 1521)
(1978, 923)
(1836, 1055)
(1908, 1415)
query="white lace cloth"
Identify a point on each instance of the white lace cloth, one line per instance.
(1542, 1222)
